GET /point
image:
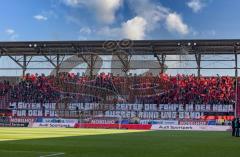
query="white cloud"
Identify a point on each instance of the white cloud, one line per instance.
(135, 28)
(155, 14)
(195, 5)
(9, 31)
(85, 30)
(152, 13)
(149, 16)
(40, 17)
(175, 24)
(105, 10)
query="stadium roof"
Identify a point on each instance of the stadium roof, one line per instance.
(133, 47)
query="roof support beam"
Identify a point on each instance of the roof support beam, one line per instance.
(236, 79)
(16, 61)
(198, 57)
(50, 60)
(161, 61)
(125, 59)
(24, 63)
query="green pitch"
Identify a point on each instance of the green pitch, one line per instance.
(36, 142)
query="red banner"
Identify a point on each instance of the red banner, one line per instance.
(114, 126)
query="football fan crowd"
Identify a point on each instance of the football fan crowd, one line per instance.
(135, 89)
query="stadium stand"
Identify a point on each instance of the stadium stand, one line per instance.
(162, 89)
(67, 88)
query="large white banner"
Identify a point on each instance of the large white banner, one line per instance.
(162, 122)
(53, 125)
(143, 111)
(191, 127)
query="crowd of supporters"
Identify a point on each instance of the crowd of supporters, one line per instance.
(4, 88)
(133, 89)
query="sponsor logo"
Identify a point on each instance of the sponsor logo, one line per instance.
(53, 125)
(191, 127)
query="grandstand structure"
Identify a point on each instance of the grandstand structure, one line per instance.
(121, 57)
(54, 51)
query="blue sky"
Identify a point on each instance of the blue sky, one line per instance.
(111, 19)
(23, 20)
